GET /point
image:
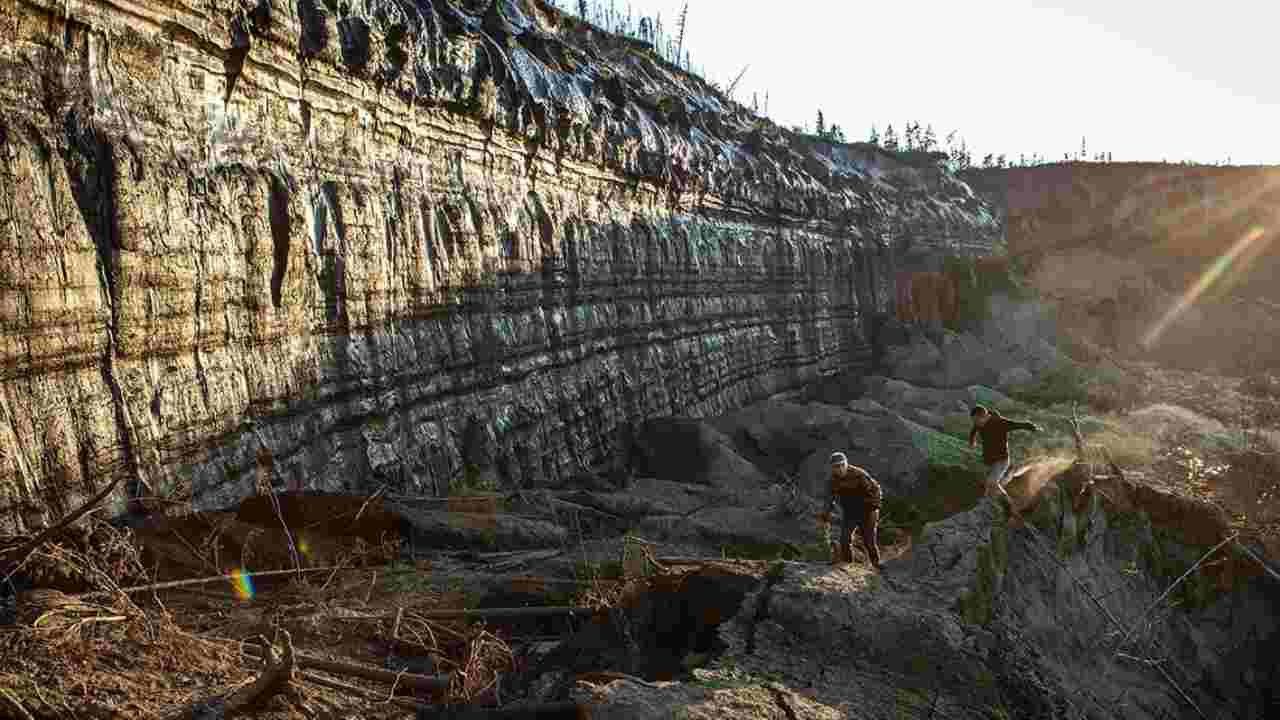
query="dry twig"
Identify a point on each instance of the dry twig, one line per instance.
(23, 550)
(418, 682)
(274, 679)
(1175, 584)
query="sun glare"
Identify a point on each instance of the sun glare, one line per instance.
(1227, 265)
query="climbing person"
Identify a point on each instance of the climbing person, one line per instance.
(859, 496)
(994, 429)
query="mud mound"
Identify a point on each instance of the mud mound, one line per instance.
(1166, 416)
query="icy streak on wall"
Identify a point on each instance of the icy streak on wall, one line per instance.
(219, 234)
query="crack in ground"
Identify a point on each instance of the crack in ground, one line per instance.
(762, 611)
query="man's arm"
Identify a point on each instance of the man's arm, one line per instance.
(1023, 425)
(874, 492)
(973, 433)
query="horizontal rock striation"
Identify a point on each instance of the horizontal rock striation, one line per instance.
(339, 245)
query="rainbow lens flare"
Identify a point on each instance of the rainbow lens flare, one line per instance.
(242, 583)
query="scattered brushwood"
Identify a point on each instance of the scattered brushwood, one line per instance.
(63, 618)
(477, 680)
(92, 556)
(15, 553)
(276, 678)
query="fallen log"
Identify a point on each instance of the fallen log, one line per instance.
(274, 679)
(428, 683)
(515, 711)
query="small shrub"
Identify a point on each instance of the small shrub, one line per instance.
(1102, 388)
(596, 570)
(949, 489)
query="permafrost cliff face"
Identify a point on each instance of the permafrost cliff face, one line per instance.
(377, 242)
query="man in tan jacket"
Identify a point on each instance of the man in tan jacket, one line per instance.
(859, 496)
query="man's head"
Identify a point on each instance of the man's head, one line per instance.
(839, 463)
(980, 415)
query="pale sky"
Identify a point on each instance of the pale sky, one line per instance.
(1143, 79)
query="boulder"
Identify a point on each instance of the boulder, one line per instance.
(719, 526)
(778, 436)
(890, 447)
(919, 360)
(867, 406)
(693, 451)
(1014, 378)
(905, 398)
(630, 700)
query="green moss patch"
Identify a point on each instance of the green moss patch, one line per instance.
(993, 560)
(949, 489)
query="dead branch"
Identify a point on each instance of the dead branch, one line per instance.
(22, 712)
(1181, 692)
(332, 684)
(169, 584)
(521, 612)
(1076, 434)
(417, 682)
(26, 549)
(293, 548)
(274, 679)
(368, 500)
(1175, 584)
(1047, 548)
(1265, 567)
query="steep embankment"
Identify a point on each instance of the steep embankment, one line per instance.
(1060, 616)
(378, 243)
(1117, 246)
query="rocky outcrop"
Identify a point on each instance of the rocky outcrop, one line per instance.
(1175, 263)
(989, 615)
(378, 243)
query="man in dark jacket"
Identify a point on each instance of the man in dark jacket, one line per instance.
(994, 429)
(859, 496)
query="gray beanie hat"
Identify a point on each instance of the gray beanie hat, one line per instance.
(838, 458)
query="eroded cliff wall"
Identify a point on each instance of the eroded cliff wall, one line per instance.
(376, 242)
(1175, 263)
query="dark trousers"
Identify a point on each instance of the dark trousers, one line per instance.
(855, 513)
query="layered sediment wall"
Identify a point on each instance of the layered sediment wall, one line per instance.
(376, 243)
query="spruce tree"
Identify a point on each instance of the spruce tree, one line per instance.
(890, 138)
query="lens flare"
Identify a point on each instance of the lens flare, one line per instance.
(242, 584)
(1225, 265)
(304, 547)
